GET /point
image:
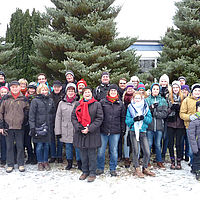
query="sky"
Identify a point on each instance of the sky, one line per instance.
(144, 19)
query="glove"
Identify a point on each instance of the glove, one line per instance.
(32, 133)
(141, 117)
(193, 117)
(58, 136)
(155, 105)
(175, 106)
(136, 119)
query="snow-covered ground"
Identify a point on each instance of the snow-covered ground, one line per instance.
(61, 184)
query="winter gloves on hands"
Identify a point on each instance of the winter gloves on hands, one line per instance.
(138, 118)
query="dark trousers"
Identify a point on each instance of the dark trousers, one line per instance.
(196, 162)
(15, 136)
(89, 161)
(120, 147)
(3, 147)
(176, 133)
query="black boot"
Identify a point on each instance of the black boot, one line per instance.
(69, 165)
(197, 175)
(79, 163)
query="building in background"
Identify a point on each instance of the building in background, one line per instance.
(149, 52)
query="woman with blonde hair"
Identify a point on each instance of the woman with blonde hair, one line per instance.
(41, 115)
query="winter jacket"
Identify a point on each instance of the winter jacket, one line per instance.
(100, 92)
(194, 134)
(92, 139)
(13, 112)
(42, 110)
(56, 98)
(188, 107)
(63, 123)
(146, 121)
(174, 120)
(114, 117)
(158, 114)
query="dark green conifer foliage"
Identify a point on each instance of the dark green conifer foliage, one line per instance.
(21, 28)
(82, 37)
(181, 52)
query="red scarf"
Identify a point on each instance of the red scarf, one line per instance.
(128, 97)
(23, 91)
(112, 99)
(70, 100)
(15, 95)
(82, 112)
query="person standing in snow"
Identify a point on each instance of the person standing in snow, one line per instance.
(87, 117)
(112, 127)
(137, 118)
(158, 107)
(194, 139)
(175, 125)
(64, 129)
(41, 121)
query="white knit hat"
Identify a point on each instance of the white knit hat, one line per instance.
(176, 83)
(164, 77)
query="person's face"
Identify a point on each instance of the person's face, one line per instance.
(185, 92)
(135, 83)
(69, 78)
(182, 82)
(196, 93)
(130, 90)
(155, 90)
(163, 83)
(70, 92)
(31, 91)
(42, 79)
(113, 93)
(57, 89)
(175, 89)
(122, 84)
(80, 87)
(2, 79)
(44, 91)
(137, 98)
(22, 86)
(141, 91)
(15, 89)
(87, 95)
(3, 92)
(198, 109)
(105, 79)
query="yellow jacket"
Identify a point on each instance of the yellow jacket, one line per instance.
(188, 107)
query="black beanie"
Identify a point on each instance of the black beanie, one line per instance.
(196, 85)
(113, 86)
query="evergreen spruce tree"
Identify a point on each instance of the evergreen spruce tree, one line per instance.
(181, 52)
(82, 37)
(21, 28)
(7, 53)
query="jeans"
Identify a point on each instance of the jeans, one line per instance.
(3, 147)
(42, 152)
(16, 136)
(69, 152)
(185, 145)
(113, 148)
(120, 147)
(143, 142)
(165, 140)
(56, 149)
(178, 134)
(126, 147)
(89, 161)
(190, 150)
(157, 137)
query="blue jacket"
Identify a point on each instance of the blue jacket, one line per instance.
(146, 121)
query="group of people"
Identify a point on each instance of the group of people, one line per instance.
(39, 119)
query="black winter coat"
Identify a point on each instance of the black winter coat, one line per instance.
(114, 117)
(92, 139)
(57, 98)
(100, 92)
(42, 110)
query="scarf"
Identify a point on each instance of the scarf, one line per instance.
(127, 98)
(70, 100)
(15, 95)
(137, 109)
(112, 99)
(82, 112)
(23, 91)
